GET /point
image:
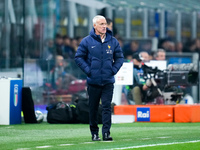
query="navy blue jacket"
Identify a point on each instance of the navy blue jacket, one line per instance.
(100, 61)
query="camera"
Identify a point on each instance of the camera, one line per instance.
(165, 83)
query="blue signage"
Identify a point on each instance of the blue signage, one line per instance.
(15, 101)
(143, 114)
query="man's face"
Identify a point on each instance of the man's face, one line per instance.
(110, 26)
(59, 60)
(134, 46)
(100, 26)
(161, 56)
(67, 41)
(145, 56)
(59, 41)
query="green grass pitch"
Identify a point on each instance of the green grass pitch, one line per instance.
(142, 136)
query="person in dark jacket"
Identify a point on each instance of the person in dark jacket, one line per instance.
(139, 89)
(100, 56)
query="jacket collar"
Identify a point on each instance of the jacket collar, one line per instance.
(98, 38)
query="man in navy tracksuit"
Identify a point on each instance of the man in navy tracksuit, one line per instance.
(99, 55)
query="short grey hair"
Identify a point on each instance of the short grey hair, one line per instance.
(159, 50)
(97, 18)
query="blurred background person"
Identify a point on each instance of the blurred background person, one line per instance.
(68, 51)
(179, 47)
(160, 54)
(109, 23)
(197, 42)
(60, 78)
(164, 44)
(151, 55)
(59, 44)
(190, 46)
(128, 57)
(49, 50)
(120, 40)
(79, 39)
(131, 48)
(74, 44)
(138, 89)
(171, 47)
(70, 46)
(145, 56)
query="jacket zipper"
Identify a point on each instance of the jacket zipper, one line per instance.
(101, 62)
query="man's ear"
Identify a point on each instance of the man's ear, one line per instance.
(94, 25)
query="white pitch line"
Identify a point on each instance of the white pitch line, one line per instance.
(152, 145)
(127, 139)
(47, 146)
(65, 144)
(163, 137)
(88, 143)
(107, 141)
(22, 148)
(9, 127)
(145, 138)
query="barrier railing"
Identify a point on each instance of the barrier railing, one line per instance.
(61, 80)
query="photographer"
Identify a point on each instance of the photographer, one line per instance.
(138, 90)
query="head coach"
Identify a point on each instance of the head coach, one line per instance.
(100, 56)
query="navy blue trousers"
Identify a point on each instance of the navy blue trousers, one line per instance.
(97, 93)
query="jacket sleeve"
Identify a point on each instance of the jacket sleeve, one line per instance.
(118, 58)
(81, 57)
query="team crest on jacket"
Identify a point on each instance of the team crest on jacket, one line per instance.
(109, 51)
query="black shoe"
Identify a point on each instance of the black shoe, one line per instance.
(107, 137)
(95, 137)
